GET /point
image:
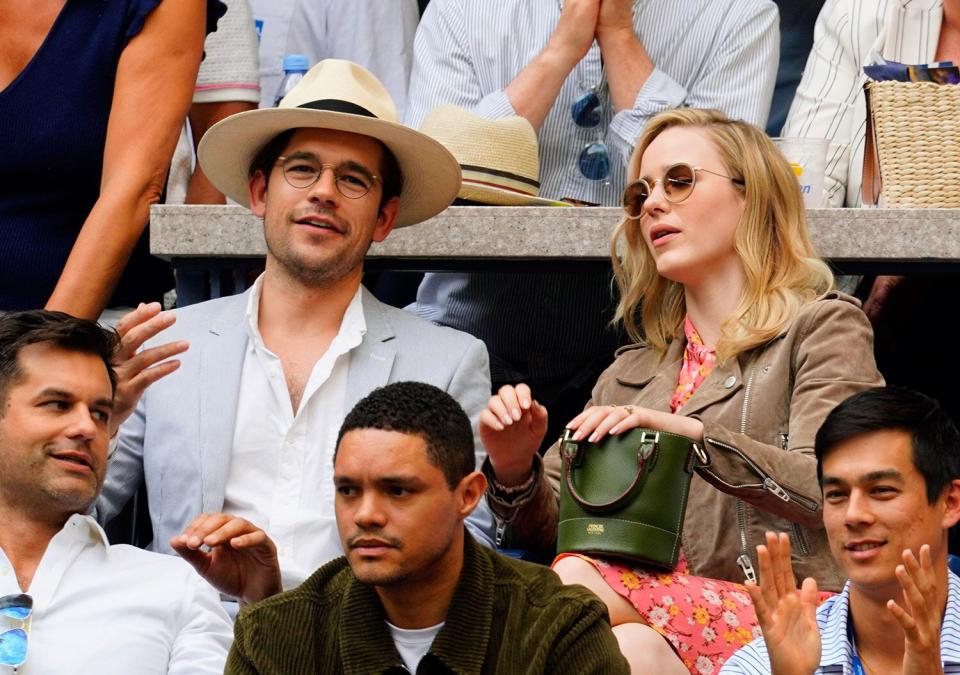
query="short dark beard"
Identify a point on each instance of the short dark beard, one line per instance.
(313, 277)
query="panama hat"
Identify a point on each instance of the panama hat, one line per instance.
(343, 96)
(499, 158)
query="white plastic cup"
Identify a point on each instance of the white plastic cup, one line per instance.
(808, 159)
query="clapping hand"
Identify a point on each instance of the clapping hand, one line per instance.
(919, 615)
(137, 370)
(787, 616)
(576, 28)
(232, 554)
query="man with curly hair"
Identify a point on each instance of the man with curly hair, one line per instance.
(414, 589)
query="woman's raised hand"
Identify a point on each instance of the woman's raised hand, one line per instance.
(599, 420)
(512, 428)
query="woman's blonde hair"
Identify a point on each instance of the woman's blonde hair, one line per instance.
(782, 270)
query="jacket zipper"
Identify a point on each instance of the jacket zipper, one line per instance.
(743, 560)
(801, 540)
(798, 535)
(766, 483)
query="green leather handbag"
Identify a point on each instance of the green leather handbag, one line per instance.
(626, 495)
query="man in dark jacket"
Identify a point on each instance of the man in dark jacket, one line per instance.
(414, 591)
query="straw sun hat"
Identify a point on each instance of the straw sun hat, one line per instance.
(498, 158)
(338, 95)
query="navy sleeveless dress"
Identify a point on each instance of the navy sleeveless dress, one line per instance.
(53, 125)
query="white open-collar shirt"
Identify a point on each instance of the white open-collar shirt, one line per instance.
(116, 610)
(281, 468)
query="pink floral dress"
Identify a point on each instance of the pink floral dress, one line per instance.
(705, 620)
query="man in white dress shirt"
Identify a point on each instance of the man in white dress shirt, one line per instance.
(247, 424)
(69, 601)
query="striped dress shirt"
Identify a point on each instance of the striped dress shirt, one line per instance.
(836, 653)
(707, 53)
(830, 103)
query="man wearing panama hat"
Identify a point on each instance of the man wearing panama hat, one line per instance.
(247, 423)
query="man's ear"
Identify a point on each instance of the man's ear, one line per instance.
(386, 219)
(471, 490)
(951, 510)
(257, 191)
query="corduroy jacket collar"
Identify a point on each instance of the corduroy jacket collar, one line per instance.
(461, 646)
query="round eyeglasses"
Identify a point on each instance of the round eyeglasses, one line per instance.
(353, 180)
(678, 182)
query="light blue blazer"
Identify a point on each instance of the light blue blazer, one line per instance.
(181, 435)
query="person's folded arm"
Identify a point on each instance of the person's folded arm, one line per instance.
(832, 360)
(154, 85)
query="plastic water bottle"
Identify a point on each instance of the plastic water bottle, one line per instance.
(295, 66)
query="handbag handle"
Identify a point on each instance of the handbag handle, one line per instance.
(648, 440)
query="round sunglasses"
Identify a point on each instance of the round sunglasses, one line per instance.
(594, 158)
(678, 182)
(13, 643)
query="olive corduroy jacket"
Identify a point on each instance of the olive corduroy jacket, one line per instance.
(506, 617)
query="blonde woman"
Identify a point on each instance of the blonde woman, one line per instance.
(740, 345)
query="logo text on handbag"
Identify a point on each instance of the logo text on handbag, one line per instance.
(595, 528)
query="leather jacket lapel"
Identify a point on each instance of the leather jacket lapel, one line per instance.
(653, 378)
(721, 384)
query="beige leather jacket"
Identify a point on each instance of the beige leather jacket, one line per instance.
(760, 413)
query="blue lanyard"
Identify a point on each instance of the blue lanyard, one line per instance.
(855, 663)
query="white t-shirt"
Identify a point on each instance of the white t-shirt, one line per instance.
(413, 644)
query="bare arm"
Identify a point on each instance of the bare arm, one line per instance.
(626, 61)
(155, 78)
(534, 90)
(203, 116)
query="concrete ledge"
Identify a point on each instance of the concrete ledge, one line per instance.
(549, 233)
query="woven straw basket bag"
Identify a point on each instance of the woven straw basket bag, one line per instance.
(912, 146)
